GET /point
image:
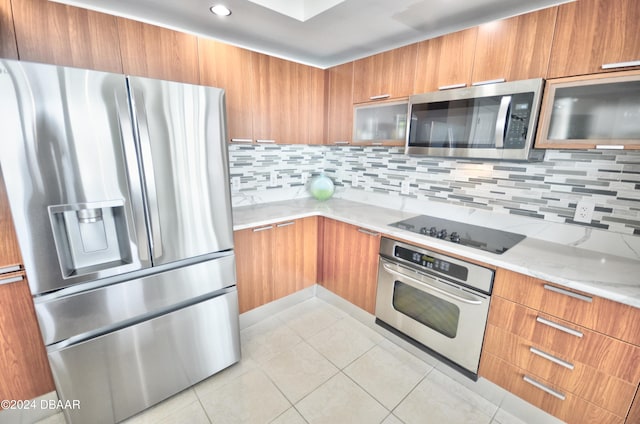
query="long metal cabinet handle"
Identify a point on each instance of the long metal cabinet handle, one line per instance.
(544, 388)
(14, 279)
(551, 358)
(340, 143)
(380, 97)
(501, 123)
(610, 146)
(559, 327)
(8, 269)
(621, 64)
(265, 228)
(367, 232)
(436, 289)
(568, 293)
(285, 224)
(452, 86)
(242, 140)
(149, 180)
(492, 81)
(263, 141)
(130, 149)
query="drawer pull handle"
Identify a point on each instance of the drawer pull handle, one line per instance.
(285, 224)
(621, 64)
(267, 227)
(568, 293)
(551, 358)
(452, 86)
(559, 327)
(380, 97)
(367, 232)
(8, 269)
(544, 388)
(14, 279)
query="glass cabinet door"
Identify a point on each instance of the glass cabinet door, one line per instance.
(600, 111)
(380, 123)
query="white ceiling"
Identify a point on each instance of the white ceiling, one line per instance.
(349, 30)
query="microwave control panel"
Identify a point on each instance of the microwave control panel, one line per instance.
(518, 124)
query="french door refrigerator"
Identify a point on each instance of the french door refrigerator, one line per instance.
(119, 190)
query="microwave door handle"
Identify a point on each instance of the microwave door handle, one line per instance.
(149, 177)
(501, 122)
(436, 289)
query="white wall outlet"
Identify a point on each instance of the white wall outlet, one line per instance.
(273, 178)
(405, 186)
(354, 180)
(235, 183)
(584, 211)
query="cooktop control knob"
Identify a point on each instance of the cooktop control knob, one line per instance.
(433, 231)
(442, 234)
(454, 237)
(424, 231)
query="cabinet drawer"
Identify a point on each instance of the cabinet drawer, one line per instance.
(589, 311)
(573, 409)
(582, 380)
(604, 353)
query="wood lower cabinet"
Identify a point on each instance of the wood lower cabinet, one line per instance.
(8, 47)
(591, 34)
(556, 349)
(350, 262)
(155, 52)
(275, 260)
(53, 33)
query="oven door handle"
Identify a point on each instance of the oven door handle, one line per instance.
(437, 289)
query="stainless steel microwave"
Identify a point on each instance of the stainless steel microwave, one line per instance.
(494, 121)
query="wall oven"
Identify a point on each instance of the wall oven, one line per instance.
(493, 121)
(437, 302)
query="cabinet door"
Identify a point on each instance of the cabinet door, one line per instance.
(10, 258)
(8, 48)
(340, 104)
(23, 360)
(231, 68)
(315, 104)
(385, 75)
(295, 251)
(514, 49)
(350, 263)
(445, 62)
(593, 33)
(254, 266)
(65, 35)
(156, 52)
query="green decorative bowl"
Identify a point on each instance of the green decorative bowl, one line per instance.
(321, 187)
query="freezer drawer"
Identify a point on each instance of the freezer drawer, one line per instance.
(119, 374)
(99, 311)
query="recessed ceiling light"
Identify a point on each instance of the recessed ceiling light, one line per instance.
(220, 10)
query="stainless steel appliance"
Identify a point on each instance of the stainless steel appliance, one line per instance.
(437, 302)
(487, 239)
(492, 121)
(119, 191)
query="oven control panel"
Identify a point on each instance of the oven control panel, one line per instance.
(430, 262)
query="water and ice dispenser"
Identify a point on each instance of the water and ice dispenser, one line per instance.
(90, 237)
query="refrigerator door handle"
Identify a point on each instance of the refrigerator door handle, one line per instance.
(133, 173)
(148, 176)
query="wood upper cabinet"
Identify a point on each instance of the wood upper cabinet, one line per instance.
(8, 48)
(340, 104)
(513, 49)
(231, 68)
(445, 61)
(385, 75)
(593, 33)
(65, 35)
(288, 101)
(275, 260)
(350, 262)
(155, 52)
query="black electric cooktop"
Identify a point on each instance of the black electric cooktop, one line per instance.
(487, 239)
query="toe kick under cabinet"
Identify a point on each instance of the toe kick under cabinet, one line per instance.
(573, 355)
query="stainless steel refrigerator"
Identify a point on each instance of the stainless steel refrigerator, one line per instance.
(119, 191)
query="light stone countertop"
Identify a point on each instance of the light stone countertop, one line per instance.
(602, 274)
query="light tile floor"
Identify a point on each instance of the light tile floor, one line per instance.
(313, 363)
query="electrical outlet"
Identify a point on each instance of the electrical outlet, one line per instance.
(235, 183)
(584, 211)
(405, 186)
(273, 178)
(354, 180)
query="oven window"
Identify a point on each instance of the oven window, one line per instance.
(432, 311)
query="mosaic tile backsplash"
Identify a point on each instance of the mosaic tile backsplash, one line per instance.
(547, 190)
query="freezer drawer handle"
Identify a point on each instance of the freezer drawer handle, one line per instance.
(551, 358)
(8, 280)
(544, 388)
(8, 269)
(568, 293)
(559, 327)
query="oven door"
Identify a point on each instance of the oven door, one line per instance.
(444, 317)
